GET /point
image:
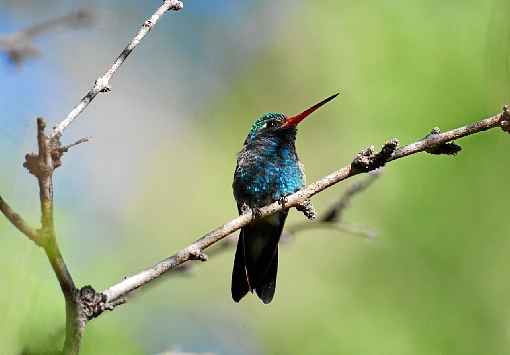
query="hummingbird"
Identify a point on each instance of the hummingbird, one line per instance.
(268, 169)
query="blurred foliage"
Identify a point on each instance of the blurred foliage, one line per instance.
(32, 309)
(435, 280)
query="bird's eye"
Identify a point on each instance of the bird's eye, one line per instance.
(272, 124)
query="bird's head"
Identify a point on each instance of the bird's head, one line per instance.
(279, 124)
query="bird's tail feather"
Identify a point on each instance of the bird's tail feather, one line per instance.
(240, 285)
(256, 259)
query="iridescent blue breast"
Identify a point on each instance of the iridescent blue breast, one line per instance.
(267, 173)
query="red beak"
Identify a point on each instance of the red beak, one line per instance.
(293, 121)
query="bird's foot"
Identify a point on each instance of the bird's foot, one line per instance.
(282, 201)
(245, 208)
(307, 208)
(255, 212)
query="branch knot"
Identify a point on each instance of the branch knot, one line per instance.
(92, 303)
(49, 156)
(176, 5)
(196, 253)
(32, 164)
(505, 119)
(307, 209)
(367, 160)
(450, 148)
(102, 84)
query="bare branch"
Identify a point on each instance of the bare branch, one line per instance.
(18, 45)
(102, 84)
(335, 212)
(330, 221)
(86, 303)
(501, 120)
(80, 17)
(333, 216)
(366, 161)
(66, 148)
(18, 222)
(289, 234)
(42, 165)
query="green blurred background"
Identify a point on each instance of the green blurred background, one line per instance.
(158, 174)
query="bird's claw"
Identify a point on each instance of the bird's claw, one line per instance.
(255, 212)
(244, 208)
(307, 208)
(282, 201)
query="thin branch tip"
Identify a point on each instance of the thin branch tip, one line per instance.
(85, 303)
(176, 5)
(102, 83)
(19, 46)
(19, 223)
(335, 213)
(65, 148)
(41, 123)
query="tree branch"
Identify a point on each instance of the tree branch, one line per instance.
(102, 84)
(433, 140)
(335, 212)
(18, 45)
(364, 162)
(18, 222)
(333, 216)
(83, 304)
(42, 165)
(330, 219)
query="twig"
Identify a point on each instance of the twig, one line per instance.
(366, 161)
(335, 212)
(354, 230)
(18, 221)
(18, 45)
(330, 220)
(66, 148)
(102, 84)
(42, 165)
(85, 303)
(289, 234)
(501, 120)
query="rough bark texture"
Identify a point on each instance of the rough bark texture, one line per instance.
(365, 161)
(85, 303)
